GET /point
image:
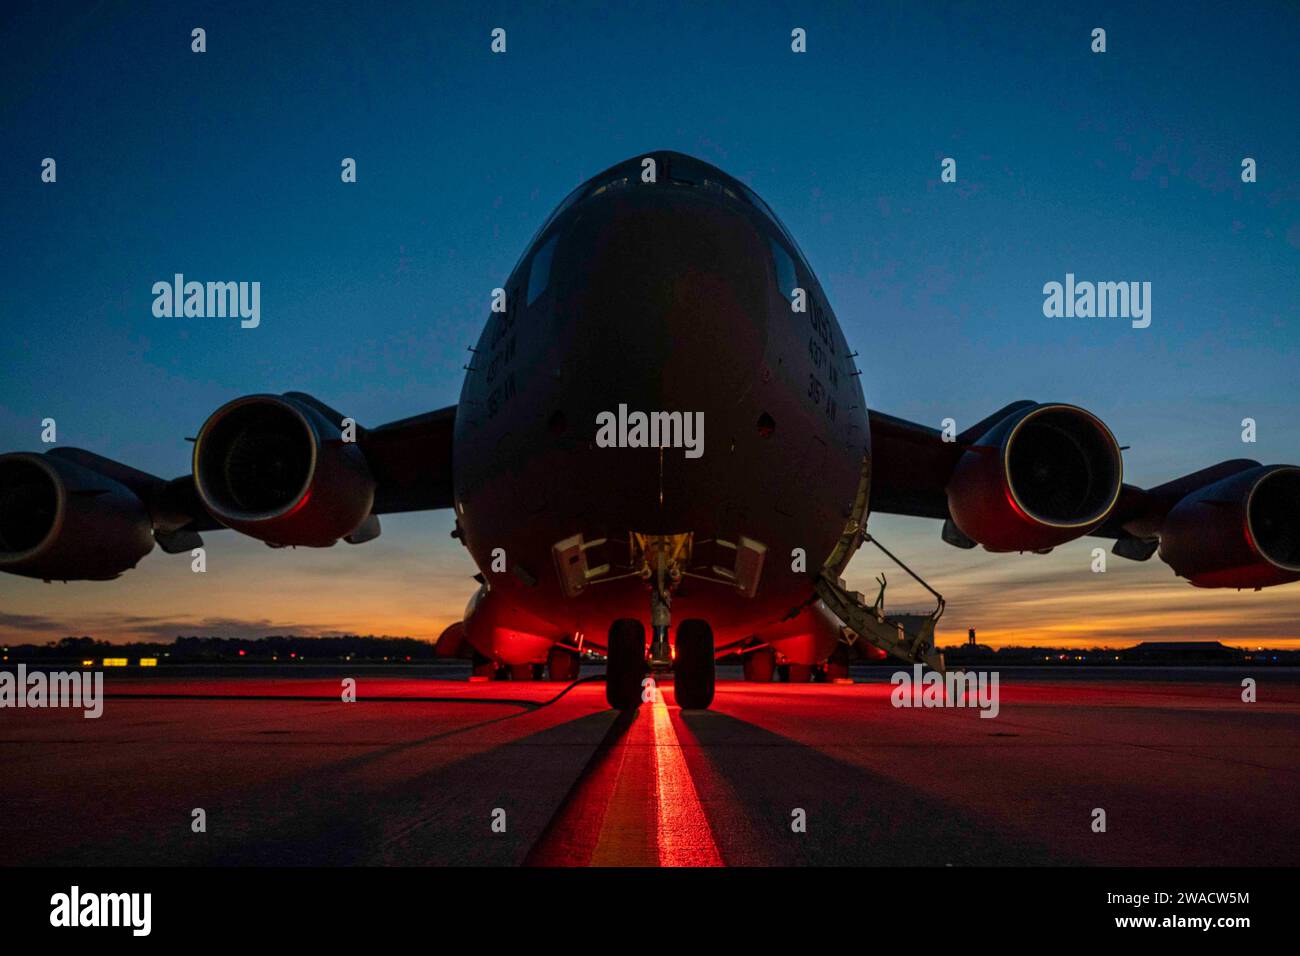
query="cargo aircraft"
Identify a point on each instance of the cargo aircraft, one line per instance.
(662, 454)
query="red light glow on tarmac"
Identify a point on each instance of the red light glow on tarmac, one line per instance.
(636, 805)
(425, 762)
(685, 838)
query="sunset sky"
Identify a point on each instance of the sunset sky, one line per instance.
(1122, 166)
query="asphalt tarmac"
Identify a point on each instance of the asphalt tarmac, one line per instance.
(438, 771)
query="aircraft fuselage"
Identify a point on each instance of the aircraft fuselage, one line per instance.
(672, 296)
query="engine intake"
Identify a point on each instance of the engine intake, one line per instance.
(1042, 476)
(1241, 532)
(62, 521)
(277, 468)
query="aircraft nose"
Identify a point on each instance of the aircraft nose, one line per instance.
(669, 308)
(665, 311)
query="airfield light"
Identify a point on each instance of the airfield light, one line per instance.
(115, 662)
(148, 662)
(241, 652)
(89, 662)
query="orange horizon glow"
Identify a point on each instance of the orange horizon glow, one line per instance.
(999, 640)
(1102, 632)
(408, 583)
(1078, 635)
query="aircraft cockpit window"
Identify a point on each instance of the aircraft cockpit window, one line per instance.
(751, 197)
(766, 210)
(539, 270)
(612, 184)
(559, 211)
(714, 186)
(786, 278)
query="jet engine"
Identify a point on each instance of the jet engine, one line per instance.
(277, 468)
(1241, 532)
(1044, 475)
(62, 521)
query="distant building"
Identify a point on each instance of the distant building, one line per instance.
(1181, 652)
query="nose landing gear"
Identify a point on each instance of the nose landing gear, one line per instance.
(662, 558)
(692, 665)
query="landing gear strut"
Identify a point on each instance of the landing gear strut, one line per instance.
(661, 653)
(661, 606)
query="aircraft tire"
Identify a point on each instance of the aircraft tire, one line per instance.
(760, 665)
(837, 668)
(799, 673)
(693, 668)
(626, 665)
(562, 665)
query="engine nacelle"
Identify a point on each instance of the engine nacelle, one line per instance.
(451, 642)
(62, 521)
(277, 468)
(1241, 532)
(1042, 476)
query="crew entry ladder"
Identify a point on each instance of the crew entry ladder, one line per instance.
(907, 637)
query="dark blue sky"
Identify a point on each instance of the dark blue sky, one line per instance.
(225, 166)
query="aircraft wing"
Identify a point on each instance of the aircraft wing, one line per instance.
(1032, 476)
(286, 469)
